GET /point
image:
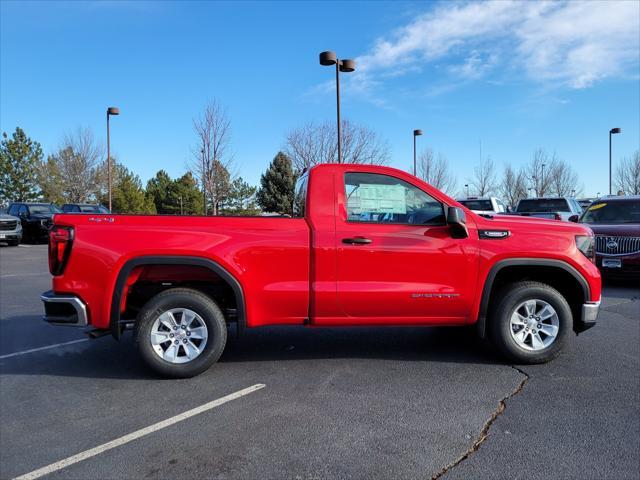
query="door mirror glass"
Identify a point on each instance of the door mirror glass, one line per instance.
(457, 220)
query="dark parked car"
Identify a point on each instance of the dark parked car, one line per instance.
(555, 208)
(84, 208)
(36, 218)
(615, 221)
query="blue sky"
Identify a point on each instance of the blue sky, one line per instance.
(515, 76)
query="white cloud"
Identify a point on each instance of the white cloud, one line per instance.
(572, 44)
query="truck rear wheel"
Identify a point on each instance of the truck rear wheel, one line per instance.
(180, 333)
(530, 323)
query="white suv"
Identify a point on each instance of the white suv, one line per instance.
(486, 206)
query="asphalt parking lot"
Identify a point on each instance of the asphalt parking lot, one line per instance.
(336, 403)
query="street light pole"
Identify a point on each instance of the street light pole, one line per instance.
(204, 187)
(416, 133)
(542, 181)
(110, 111)
(613, 131)
(467, 187)
(330, 58)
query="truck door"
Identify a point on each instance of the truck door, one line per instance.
(396, 260)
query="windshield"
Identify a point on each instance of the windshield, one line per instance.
(613, 212)
(547, 205)
(43, 209)
(477, 204)
(93, 209)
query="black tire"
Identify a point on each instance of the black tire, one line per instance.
(13, 243)
(201, 304)
(509, 298)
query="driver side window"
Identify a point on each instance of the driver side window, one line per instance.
(375, 198)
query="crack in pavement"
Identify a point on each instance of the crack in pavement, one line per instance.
(484, 433)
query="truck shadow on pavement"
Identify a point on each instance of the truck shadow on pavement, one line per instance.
(106, 358)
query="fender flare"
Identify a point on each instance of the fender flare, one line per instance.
(522, 262)
(114, 316)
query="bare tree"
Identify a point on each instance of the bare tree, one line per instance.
(628, 175)
(484, 178)
(435, 171)
(563, 180)
(539, 171)
(75, 168)
(513, 187)
(212, 157)
(316, 143)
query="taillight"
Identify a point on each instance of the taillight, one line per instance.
(60, 241)
(586, 244)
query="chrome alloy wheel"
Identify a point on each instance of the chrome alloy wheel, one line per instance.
(179, 335)
(534, 325)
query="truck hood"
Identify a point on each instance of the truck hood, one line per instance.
(531, 223)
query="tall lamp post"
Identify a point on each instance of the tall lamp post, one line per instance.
(613, 131)
(204, 186)
(467, 187)
(110, 111)
(416, 133)
(542, 181)
(327, 59)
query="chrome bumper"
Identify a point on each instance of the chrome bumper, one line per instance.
(589, 316)
(66, 310)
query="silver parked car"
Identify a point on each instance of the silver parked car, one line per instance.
(10, 229)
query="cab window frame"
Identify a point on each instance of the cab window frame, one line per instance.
(443, 206)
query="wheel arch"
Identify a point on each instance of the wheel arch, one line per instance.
(115, 323)
(557, 273)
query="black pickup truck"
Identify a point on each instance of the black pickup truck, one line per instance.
(555, 208)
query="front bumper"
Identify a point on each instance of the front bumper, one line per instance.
(10, 236)
(629, 264)
(66, 310)
(588, 317)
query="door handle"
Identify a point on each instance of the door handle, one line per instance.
(357, 241)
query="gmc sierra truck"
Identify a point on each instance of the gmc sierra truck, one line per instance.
(364, 246)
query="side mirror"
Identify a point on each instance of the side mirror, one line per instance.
(574, 218)
(457, 220)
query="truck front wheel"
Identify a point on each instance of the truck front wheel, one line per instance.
(180, 333)
(530, 322)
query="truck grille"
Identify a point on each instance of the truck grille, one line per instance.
(10, 225)
(608, 245)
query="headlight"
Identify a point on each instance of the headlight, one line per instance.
(18, 227)
(586, 244)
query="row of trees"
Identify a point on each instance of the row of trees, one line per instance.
(76, 171)
(545, 175)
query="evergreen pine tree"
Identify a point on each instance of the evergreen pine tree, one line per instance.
(127, 194)
(159, 189)
(277, 186)
(20, 159)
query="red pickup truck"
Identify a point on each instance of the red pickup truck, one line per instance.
(364, 246)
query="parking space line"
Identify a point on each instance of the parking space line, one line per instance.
(46, 347)
(137, 434)
(25, 275)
